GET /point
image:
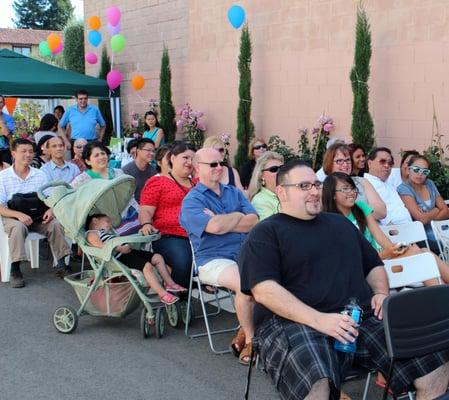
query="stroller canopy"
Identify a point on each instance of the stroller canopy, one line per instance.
(98, 196)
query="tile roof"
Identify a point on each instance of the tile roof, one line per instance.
(23, 36)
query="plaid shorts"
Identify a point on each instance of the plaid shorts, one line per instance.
(296, 356)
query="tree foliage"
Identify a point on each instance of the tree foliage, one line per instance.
(104, 105)
(362, 127)
(74, 47)
(168, 113)
(245, 127)
(42, 14)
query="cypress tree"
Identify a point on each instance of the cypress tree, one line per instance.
(362, 127)
(245, 127)
(74, 47)
(105, 105)
(168, 113)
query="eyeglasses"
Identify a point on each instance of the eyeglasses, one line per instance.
(419, 170)
(214, 164)
(341, 161)
(347, 190)
(305, 185)
(383, 161)
(79, 146)
(221, 150)
(260, 146)
(149, 150)
(274, 169)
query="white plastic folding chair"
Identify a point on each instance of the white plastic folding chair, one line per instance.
(411, 232)
(405, 271)
(215, 301)
(441, 232)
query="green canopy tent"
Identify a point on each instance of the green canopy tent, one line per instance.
(22, 76)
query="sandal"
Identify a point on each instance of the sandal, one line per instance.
(175, 288)
(382, 384)
(238, 342)
(344, 396)
(245, 354)
(168, 298)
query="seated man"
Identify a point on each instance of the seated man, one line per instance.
(21, 178)
(140, 168)
(302, 266)
(217, 218)
(380, 162)
(57, 169)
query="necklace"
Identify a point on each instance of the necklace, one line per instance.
(182, 187)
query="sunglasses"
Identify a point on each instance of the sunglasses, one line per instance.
(79, 146)
(419, 170)
(260, 146)
(214, 164)
(305, 185)
(273, 169)
(341, 161)
(383, 161)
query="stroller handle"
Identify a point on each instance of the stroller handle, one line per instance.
(40, 192)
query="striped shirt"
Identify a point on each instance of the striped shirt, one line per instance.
(105, 236)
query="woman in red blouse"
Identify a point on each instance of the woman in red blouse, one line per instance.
(160, 205)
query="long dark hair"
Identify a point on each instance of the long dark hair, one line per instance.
(328, 199)
(147, 128)
(352, 149)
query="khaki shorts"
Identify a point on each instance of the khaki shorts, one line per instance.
(209, 272)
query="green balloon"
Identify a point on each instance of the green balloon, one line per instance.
(44, 49)
(118, 43)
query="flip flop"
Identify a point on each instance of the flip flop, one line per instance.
(168, 298)
(245, 354)
(382, 384)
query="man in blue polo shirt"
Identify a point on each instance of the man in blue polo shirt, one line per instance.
(217, 218)
(83, 119)
(6, 129)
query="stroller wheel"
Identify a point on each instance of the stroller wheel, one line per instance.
(174, 314)
(147, 325)
(160, 323)
(65, 319)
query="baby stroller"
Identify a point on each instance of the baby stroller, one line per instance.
(110, 289)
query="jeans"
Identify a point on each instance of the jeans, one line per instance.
(178, 255)
(431, 239)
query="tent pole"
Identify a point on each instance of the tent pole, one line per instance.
(119, 118)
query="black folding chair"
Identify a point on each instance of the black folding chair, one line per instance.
(416, 323)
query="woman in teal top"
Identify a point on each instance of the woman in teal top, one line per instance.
(152, 129)
(262, 186)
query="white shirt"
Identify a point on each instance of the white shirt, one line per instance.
(397, 213)
(11, 183)
(395, 178)
(321, 175)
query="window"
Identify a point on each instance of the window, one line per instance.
(25, 51)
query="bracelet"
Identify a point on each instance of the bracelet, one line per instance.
(145, 223)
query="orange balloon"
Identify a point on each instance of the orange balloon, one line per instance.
(138, 82)
(94, 22)
(53, 41)
(10, 103)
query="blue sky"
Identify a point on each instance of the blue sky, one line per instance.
(7, 12)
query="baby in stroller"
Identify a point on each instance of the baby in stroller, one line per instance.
(99, 230)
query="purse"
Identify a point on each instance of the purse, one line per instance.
(29, 204)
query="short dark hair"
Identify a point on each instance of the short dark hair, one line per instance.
(88, 148)
(179, 147)
(287, 167)
(143, 141)
(20, 141)
(373, 153)
(91, 217)
(131, 144)
(418, 157)
(43, 140)
(406, 154)
(60, 108)
(81, 91)
(48, 122)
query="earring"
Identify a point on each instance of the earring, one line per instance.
(263, 181)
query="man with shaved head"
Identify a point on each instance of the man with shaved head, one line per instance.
(217, 218)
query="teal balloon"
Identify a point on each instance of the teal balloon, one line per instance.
(118, 43)
(44, 49)
(94, 38)
(236, 16)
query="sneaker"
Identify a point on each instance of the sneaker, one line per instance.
(16, 280)
(63, 272)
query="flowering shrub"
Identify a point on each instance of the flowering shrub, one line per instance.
(136, 126)
(191, 125)
(226, 139)
(27, 116)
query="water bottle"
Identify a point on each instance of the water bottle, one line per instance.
(355, 312)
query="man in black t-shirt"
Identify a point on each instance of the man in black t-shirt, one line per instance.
(302, 266)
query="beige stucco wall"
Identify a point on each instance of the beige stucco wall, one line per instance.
(303, 52)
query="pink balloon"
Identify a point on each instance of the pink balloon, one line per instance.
(58, 49)
(114, 30)
(91, 58)
(114, 78)
(113, 14)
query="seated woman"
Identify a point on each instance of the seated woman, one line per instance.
(421, 197)
(42, 155)
(99, 230)
(96, 157)
(256, 148)
(231, 177)
(337, 158)
(162, 160)
(78, 147)
(262, 186)
(339, 196)
(358, 156)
